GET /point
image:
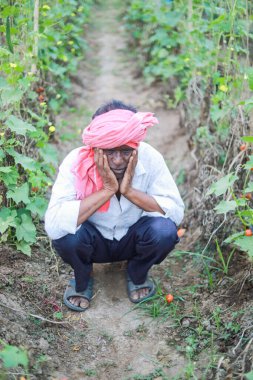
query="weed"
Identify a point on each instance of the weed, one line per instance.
(90, 372)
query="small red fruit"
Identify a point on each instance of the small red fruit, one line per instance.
(243, 147)
(39, 90)
(181, 232)
(169, 298)
(248, 232)
(248, 196)
(41, 98)
(35, 189)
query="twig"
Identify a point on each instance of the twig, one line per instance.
(244, 358)
(210, 238)
(195, 158)
(245, 350)
(35, 316)
(238, 344)
(244, 280)
(218, 367)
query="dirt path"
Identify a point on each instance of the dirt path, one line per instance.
(110, 340)
(120, 343)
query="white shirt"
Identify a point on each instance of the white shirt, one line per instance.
(151, 176)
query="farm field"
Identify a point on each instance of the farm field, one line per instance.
(198, 81)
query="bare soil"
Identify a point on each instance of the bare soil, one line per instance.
(114, 340)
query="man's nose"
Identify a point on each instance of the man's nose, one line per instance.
(117, 158)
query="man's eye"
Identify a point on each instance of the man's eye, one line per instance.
(127, 151)
(110, 152)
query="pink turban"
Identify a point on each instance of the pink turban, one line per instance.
(109, 130)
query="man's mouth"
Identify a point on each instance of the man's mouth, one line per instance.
(118, 171)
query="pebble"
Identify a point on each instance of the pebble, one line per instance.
(43, 344)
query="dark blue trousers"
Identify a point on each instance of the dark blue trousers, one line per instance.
(146, 243)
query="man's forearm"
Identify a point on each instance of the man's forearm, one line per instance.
(92, 203)
(142, 200)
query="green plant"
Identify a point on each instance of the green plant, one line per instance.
(13, 357)
(41, 47)
(236, 201)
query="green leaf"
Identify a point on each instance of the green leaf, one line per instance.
(245, 243)
(247, 138)
(249, 163)
(13, 356)
(250, 77)
(11, 95)
(7, 219)
(19, 126)
(249, 188)
(241, 202)
(28, 163)
(19, 193)
(25, 229)
(2, 155)
(225, 206)
(4, 52)
(249, 375)
(9, 175)
(49, 154)
(24, 247)
(233, 237)
(38, 205)
(222, 185)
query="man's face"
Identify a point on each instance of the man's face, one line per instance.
(118, 159)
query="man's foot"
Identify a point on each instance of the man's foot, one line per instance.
(138, 293)
(78, 301)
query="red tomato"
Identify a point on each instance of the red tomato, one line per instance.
(248, 232)
(181, 232)
(41, 98)
(169, 298)
(243, 147)
(40, 89)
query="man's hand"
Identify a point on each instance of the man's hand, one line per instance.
(109, 180)
(126, 182)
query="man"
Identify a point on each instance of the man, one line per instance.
(114, 199)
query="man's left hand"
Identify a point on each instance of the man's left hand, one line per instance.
(126, 183)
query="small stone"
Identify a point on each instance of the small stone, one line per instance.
(43, 344)
(185, 323)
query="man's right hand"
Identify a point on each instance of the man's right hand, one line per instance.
(110, 182)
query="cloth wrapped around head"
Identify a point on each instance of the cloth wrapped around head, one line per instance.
(109, 130)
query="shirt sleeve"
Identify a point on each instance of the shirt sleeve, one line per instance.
(63, 209)
(163, 189)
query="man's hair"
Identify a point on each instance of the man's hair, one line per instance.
(113, 105)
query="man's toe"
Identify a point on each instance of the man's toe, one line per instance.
(84, 303)
(135, 295)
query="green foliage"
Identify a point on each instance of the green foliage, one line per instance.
(240, 206)
(13, 356)
(203, 49)
(35, 68)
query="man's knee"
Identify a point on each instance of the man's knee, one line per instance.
(163, 231)
(72, 243)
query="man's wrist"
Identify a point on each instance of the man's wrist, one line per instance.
(108, 192)
(128, 192)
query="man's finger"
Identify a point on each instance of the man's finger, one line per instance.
(129, 168)
(105, 163)
(100, 159)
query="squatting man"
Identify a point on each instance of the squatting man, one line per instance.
(114, 199)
